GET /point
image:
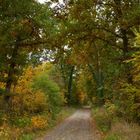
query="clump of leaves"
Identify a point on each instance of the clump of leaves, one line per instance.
(39, 122)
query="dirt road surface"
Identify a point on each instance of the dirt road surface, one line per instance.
(76, 127)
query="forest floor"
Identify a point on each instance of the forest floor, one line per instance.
(78, 126)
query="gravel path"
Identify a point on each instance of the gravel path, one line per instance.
(76, 127)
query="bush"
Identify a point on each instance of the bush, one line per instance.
(35, 102)
(21, 122)
(129, 105)
(28, 103)
(103, 120)
(9, 133)
(52, 91)
(38, 122)
(111, 109)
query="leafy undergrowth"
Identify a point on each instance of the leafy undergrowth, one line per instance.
(65, 112)
(28, 128)
(113, 128)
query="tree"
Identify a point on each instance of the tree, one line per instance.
(96, 25)
(26, 29)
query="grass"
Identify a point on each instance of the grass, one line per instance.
(114, 128)
(103, 121)
(123, 130)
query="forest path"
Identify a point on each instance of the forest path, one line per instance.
(76, 127)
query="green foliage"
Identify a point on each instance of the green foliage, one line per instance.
(128, 94)
(51, 90)
(112, 137)
(111, 109)
(27, 137)
(25, 26)
(21, 122)
(129, 103)
(103, 120)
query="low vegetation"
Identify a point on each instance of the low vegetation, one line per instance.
(112, 127)
(36, 104)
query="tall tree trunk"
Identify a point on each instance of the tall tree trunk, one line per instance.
(64, 77)
(70, 84)
(125, 54)
(11, 72)
(125, 39)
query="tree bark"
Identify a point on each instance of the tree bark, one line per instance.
(11, 71)
(70, 84)
(125, 39)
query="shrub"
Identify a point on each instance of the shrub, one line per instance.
(27, 103)
(21, 122)
(9, 133)
(52, 91)
(39, 122)
(24, 99)
(35, 102)
(111, 109)
(103, 120)
(129, 105)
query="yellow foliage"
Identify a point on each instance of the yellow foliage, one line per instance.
(39, 122)
(25, 99)
(136, 60)
(8, 133)
(81, 97)
(2, 85)
(110, 108)
(30, 102)
(24, 83)
(35, 102)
